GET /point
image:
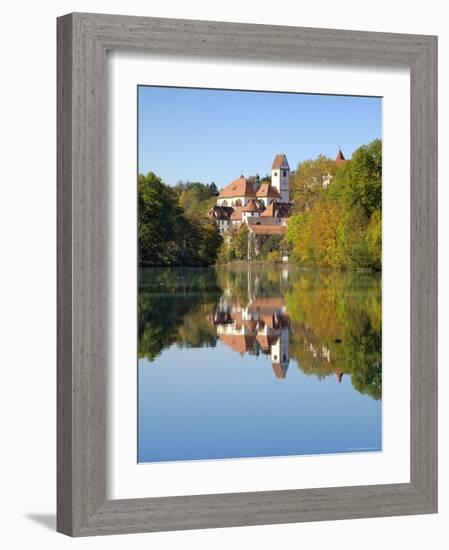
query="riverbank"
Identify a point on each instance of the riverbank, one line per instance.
(264, 263)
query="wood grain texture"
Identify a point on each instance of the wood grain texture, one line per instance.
(83, 40)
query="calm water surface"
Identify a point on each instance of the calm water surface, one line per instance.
(252, 361)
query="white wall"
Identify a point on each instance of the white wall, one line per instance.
(27, 300)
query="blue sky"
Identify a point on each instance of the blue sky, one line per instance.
(217, 135)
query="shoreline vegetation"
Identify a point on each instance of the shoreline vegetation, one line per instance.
(337, 226)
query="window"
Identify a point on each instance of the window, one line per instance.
(224, 203)
(284, 173)
(275, 173)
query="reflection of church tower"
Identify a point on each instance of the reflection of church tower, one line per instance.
(280, 354)
(339, 375)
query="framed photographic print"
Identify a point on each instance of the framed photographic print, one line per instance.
(246, 274)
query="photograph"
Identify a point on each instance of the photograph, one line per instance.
(259, 274)
(228, 255)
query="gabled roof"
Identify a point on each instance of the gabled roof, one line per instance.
(237, 214)
(267, 190)
(269, 211)
(251, 206)
(279, 371)
(278, 161)
(239, 342)
(280, 209)
(220, 212)
(263, 341)
(241, 187)
(250, 325)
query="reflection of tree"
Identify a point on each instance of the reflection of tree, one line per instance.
(336, 324)
(243, 283)
(334, 318)
(173, 307)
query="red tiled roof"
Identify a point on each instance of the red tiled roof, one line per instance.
(251, 325)
(278, 370)
(267, 190)
(251, 206)
(238, 343)
(241, 187)
(269, 211)
(267, 229)
(263, 341)
(278, 160)
(281, 208)
(237, 214)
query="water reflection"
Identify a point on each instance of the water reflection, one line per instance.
(323, 323)
(261, 326)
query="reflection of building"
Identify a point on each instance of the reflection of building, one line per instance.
(317, 355)
(260, 327)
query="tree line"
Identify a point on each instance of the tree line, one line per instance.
(338, 225)
(172, 225)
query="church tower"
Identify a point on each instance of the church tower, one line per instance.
(280, 177)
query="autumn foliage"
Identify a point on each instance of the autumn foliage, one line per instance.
(339, 225)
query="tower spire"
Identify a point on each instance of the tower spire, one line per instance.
(340, 158)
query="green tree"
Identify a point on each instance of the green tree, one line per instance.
(271, 244)
(210, 243)
(168, 235)
(374, 238)
(159, 221)
(213, 189)
(196, 198)
(240, 243)
(359, 181)
(313, 235)
(308, 179)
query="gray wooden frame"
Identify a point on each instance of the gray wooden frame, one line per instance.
(83, 40)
